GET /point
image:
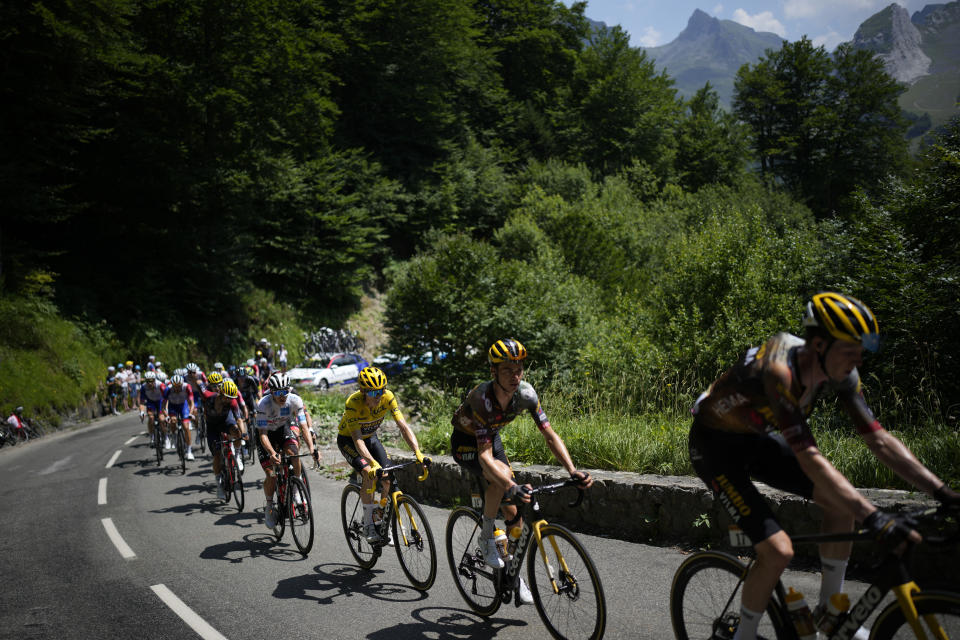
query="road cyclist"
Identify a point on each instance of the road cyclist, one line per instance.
(222, 410)
(477, 447)
(178, 400)
(280, 423)
(151, 402)
(752, 424)
(357, 439)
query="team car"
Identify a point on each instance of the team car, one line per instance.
(326, 370)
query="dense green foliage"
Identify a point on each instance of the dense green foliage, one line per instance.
(187, 177)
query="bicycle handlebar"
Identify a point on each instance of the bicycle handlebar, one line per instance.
(926, 515)
(556, 486)
(421, 478)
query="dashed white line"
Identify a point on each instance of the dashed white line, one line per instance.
(198, 624)
(118, 542)
(102, 492)
(128, 442)
(113, 459)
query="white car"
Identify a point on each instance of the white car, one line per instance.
(328, 370)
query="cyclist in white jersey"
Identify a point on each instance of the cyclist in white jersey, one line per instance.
(280, 422)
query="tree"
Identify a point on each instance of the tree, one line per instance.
(711, 145)
(821, 125)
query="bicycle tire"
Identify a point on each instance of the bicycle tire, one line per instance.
(301, 517)
(182, 451)
(701, 598)
(413, 540)
(202, 431)
(478, 584)
(351, 517)
(236, 481)
(158, 443)
(944, 605)
(225, 482)
(577, 580)
(281, 507)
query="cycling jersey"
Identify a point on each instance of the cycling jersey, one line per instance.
(752, 397)
(481, 415)
(272, 416)
(152, 397)
(174, 397)
(358, 416)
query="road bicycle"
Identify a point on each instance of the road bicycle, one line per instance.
(230, 478)
(564, 581)
(201, 428)
(704, 602)
(158, 438)
(402, 518)
(181, 445)
(299, 512)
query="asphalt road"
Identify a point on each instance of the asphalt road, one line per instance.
(63, 576)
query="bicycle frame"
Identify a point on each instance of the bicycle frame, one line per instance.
(392, 506)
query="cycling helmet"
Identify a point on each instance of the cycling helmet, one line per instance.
(263, 362)
(128, 363)
(18, 410)
(161, 376)
(259, 353)
(218, 366)
(215, 378)
(371, 378)
(508, 350)
(844, 318)
(229, 389)
(278, 381)
(151, 358)
(192, 367)
(136, 367)
(251, 362)
(119, 365)
(111, 368)
(177, 380)
(150, 375)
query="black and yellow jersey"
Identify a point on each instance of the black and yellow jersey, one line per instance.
(762, 392)
(482, 416)
(357, 416)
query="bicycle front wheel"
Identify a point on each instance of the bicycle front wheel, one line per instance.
(351, 516)
(413, 541)
(202, 432)
(158, 444)
(182, 451)
(704, 598)
(939, 617)
(477, 582)
(237, 483)
(301, 515)
(565, 585)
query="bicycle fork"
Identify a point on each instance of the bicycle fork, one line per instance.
(567, 583)
(904, 593)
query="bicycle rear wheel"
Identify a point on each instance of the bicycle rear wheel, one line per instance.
(565, 585)
(301, 516)
(478, 583)
(351, 516)
(704, 598)
(202, 431)
(182, 451)
(158, 443)
(236, 482)
(413, 541)
(939, 616)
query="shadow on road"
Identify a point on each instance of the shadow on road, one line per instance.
(330, 581)
(444, 623)
(253, 545)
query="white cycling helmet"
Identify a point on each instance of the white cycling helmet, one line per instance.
(150, 375)
(278, 381)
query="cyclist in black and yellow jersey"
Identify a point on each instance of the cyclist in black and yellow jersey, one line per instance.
(476, 445)
(752, 424)
(358, 442)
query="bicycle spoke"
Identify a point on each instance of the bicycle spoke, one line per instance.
(351, 518)
(413, 541)
(477, 583)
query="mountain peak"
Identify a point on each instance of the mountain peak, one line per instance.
(699, 24)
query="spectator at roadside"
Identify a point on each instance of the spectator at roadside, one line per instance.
(282, 358)
(16, 423)
(114, 389)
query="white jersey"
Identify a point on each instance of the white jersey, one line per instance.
(272, 416)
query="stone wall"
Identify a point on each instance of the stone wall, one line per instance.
(674, 510)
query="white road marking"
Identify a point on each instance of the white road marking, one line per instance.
(113, 459)
(117, 541)
(56, 466)
(198, 624)
(127, 443)
(102, 492)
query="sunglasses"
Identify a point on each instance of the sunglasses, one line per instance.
(374, 393)
(280, 393)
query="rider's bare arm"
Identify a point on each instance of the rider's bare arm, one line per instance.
(894, 454)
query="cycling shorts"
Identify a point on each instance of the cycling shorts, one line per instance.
(357, 461)
(464, 448)
(288, 436)
(727, 461)
(182, 409)
(153, 407)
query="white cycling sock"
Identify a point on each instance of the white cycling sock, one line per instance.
(368, 513)
(749, 621)
(486, 529)
(831, 579)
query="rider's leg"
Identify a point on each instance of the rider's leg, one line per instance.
(773, 556)
(833, 555)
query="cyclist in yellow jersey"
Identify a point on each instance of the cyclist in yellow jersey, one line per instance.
(358, 442)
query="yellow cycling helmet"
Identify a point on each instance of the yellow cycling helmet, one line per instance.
(215, 379)
(371, 378)
(229, 389)
(844, 318)
(507, 350)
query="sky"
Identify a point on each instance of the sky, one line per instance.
(651, 23)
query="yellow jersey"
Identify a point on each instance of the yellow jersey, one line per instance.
(358, 416)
